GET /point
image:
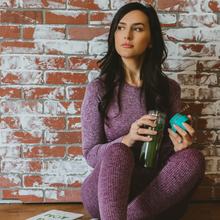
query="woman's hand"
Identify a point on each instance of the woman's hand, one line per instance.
(182, 139)
(137, 133)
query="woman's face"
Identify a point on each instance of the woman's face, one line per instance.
(132, 36)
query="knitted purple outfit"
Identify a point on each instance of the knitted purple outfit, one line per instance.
(118, 188)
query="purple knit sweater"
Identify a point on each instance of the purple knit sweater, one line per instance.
(97, 136)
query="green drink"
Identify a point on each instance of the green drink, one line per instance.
(150, 150)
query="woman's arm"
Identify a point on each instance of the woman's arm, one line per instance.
(93, 134)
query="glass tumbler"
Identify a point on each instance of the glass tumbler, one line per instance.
(150, 150)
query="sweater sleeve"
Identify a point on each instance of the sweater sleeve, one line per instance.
(174, 107)
(93, 133)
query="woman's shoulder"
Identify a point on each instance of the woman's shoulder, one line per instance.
(96, 86)
(174, 86)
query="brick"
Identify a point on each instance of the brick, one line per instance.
(75, 181)
(217, 193)
(88, 33)
(210, 6)
(21, 17)
(63, 195)
(22, 166)
(44, 181)
(167, 20)
(209, 165)
(44, 151)
(177, 5)
(9, 4)
(67, 47)
(197, 20)
(10, 62)
(209, 150)
(21, 107)
(23, 195)
(21, 47)
(218, 136)
(118, 4)
(208, 65)
(43, 32)
(211, 179)
(10, 92)
(209, 93)
(44, 92)
(82, 63)
(77, 167)
(21, 77)
(101, 18)
(43, 123)
(7, 122)
(209, 35)
(44, 62)
(76, 93)
(22, 137)
(88, 4)
(190, 50)
(65, 78)
(172, 48)
(208, 123)
(75, 151)
(74, 123)
(98, 48)
(198, 108)
(188, 93)
(93, 74)
(179, 64)
(63, 137)
(10, 152)
(197, 79)
(55, 107)
(181, 34)
(54, 4)
(66, 17)
(9, 31)
(10, 181)
(203, 137)
(204, 194)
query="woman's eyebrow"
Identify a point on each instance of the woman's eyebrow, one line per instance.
(134, 24)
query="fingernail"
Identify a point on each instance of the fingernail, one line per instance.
(183, 124)
(174, 126)
(155, 132)
(150, 139)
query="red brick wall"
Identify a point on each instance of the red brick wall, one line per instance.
(48, 55)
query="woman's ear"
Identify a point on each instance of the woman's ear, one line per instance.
(150, 45)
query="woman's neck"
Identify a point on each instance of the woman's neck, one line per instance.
(132, 70)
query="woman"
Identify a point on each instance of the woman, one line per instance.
(114, 111)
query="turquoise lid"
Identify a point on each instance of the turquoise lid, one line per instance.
(179, 119)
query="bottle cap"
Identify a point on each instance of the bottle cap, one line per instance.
(179, 119)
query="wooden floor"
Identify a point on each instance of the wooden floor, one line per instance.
(196, 211)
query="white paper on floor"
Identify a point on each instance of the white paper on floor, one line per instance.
(56, 215)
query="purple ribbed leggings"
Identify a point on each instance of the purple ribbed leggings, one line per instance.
(117, 189)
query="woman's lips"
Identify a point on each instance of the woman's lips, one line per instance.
(126, 45)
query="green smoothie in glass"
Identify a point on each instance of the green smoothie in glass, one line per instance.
(150, 150)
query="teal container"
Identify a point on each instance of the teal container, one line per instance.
(150, 150)
(179, 119)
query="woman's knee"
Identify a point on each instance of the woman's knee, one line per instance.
(193, 159)
(120, 153)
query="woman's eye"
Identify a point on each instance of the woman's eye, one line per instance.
(138, 29)
(120, 28)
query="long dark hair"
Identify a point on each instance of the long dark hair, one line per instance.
(155, 85)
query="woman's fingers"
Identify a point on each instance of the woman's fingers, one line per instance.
(146, 120)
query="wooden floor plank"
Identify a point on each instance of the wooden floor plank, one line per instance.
(196, 211)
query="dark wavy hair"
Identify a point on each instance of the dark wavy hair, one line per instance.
(155, 85)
